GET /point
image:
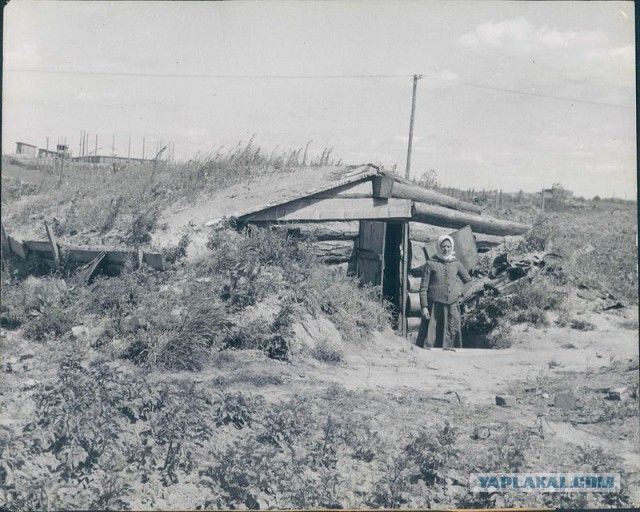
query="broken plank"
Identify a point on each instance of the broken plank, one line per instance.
(88, 255)
(38, 246)
(154, 260)
(17, 247)
(85, 273)
(54, 245)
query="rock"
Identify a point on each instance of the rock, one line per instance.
(79, 331)
(505, 400)
(565, 400)
(29, 384)
(618, 394)
(545, 396)
(481, 433)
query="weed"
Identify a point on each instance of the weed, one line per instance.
(582, 325)
(235, 409)
(430, 452)
(178, 252)
(326, 350)
(112, 215)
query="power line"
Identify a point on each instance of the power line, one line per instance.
(304, 77)
(189, 75)
(528, 93)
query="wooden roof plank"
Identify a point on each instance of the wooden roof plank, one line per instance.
(358, 174)
(336, 209)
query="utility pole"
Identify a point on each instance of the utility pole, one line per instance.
(413, 113)
(129, 152)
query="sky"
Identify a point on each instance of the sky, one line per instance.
(513, 95)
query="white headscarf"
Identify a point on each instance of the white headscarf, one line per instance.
(451, 256)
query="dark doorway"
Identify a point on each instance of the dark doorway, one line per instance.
(380, 263)
(392, 278)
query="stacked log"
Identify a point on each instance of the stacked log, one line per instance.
(446, 217)
(408, 190)
(333, 242)
(323, 231)
(436, 221)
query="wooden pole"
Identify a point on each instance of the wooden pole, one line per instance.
(407, 191)
(500, 199)
(542, 200)
(413, 113)
(520, 197)
(143, 148)
(129, 151)
(446, 217)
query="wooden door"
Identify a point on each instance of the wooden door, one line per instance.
(404, 279)
(370, 254)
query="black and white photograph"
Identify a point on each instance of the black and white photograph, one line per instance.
(319, 255)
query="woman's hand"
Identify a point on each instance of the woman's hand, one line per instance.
(425, 313)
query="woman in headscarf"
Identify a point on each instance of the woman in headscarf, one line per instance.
(440, 291)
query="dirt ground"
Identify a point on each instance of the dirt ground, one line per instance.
(393, 369)
(401, 385)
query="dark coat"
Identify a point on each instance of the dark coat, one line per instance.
(442, 281)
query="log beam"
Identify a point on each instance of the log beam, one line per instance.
(347, 230)
(408, 190)
(446, 217)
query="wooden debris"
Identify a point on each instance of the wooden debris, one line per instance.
(85, 273)
(619, 394)
(505, 400)
(17, 247)
(54, 246)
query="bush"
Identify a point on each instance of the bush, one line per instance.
(490, 315)
(83, 448)
(41, 306)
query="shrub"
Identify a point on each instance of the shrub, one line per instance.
(430, 452)
(83, 448)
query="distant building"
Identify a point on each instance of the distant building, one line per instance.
(26, 150)
(104, 159)
(44, 153)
